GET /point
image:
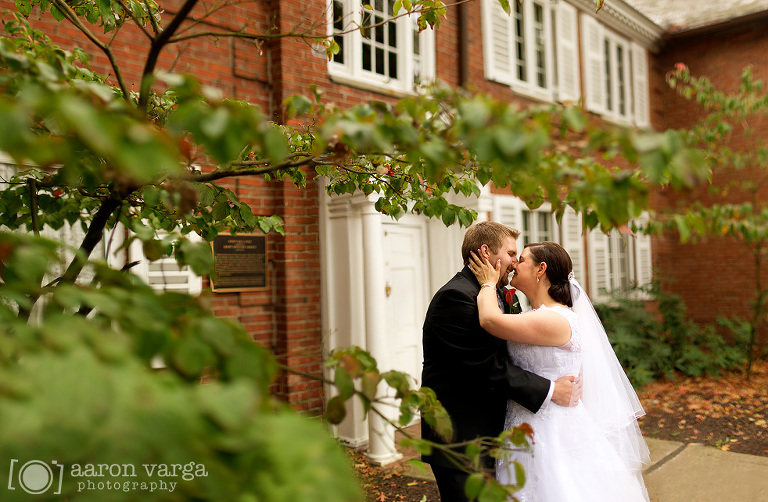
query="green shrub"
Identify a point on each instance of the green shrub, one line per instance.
(652, 346)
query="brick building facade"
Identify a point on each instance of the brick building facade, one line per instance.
(718, 49)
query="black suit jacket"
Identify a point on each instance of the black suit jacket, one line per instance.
(469, 369)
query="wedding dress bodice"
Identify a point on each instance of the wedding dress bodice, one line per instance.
(546, 361)
(551, 362)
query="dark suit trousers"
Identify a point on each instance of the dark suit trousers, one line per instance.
(450, 483)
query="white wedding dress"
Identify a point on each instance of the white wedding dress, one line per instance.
(571, 460)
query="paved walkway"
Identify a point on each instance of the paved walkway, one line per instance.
(692, 473)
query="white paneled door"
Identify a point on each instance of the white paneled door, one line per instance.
(406, 300)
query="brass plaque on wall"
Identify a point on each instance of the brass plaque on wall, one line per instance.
(240, 263)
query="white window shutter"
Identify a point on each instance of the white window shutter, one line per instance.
(569, 86)
(573, 242)
(599, 265)
(508, 210)
(498, 45)
(640, 86)
(643, 256)
(427, 69)
(164, 274)
(594, 64)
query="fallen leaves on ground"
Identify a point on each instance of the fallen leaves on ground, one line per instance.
(390, 484)
(727, 412)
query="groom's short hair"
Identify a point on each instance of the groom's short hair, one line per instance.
(486, 232)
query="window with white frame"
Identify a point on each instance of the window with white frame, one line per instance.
(538, 226)
(518, 48)
(615, 75)
(377, 49)
(534, 49)
(618, 262)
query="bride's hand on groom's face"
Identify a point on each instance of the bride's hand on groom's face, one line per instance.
(482, 268)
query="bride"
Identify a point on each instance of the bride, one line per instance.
(592, 452)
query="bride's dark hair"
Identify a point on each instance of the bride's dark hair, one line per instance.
(559, 266)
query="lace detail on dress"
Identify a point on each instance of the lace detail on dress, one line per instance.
(574, 344)
(546, 361)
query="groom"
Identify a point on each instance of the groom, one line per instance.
(470, 370)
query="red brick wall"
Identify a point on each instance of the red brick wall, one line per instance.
(717, 276)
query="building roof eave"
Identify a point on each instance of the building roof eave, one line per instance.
(676, 33)
(626, 20)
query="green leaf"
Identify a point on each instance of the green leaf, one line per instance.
(229, 406)
(56, 13)
(335, 410)
(220, 210)
(24, 7)
(275, 145)
(472, 451)
(682, 227)
(206, 195)
(297, 106)
(253, 362)
(369, 384)
(343, 383)
(448, 216)
(420, 445)
(519, 473)
(191, 356)
(153, 249)
(574, 118)
(599, 5)
(466, 217)
(198, 255)
(247, 215)
(474, 484)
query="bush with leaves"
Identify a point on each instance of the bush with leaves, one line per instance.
(650, 346)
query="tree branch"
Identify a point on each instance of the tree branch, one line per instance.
(208, 13)
(31, 183)
(157, 46)
(72, 17)
(252, 171)
(92, 238)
